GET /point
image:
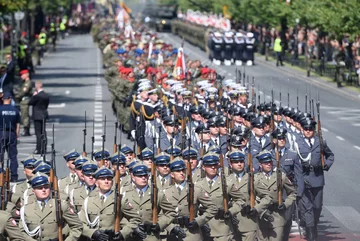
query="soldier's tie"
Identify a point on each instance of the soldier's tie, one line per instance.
(102, 198)
(311, 145)
(216, 142)
(162, 181)
(211, 183)
(73, 176)
(141, 194)
(179, 190)
(42, 205)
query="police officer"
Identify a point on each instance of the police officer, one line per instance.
(42, 43)
(272, 224)
(309, 150)
(53, 34)
(38, 219)
(63, 28)
(23, 97)
(139, 198)
(69, 157)
(179, 199)
(78, 194)
(9, 132)
(97, 213)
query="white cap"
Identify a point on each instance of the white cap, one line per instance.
(217, 34)
(250, 35)
(212, 90)
(202, 82)
(228, 34)
(239, 35)
(227, 82)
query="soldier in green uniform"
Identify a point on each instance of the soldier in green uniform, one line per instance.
(162, 161)
(118, 161)
(128, 152)
(38, 219)
(23, 97)
(69, 157)
(221, 225)
(246, 230)
(78, 194)
(196, 171)
(21, 189)
(272, 220)
(179, 199)
(9, 228)
(98, 156)
(140, 199)
(78, 163)
(146, 157)
(97, 213)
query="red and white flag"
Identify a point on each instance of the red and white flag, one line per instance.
(180, 68)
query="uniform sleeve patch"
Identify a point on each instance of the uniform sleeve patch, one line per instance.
(13, 222)
(206, 195)
(71, 210)
(129, 204)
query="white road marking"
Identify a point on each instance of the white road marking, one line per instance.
(324, 129)
(97, 115)
(67, 92)
(62, 105)
(356, 124)
(98, 110)
(348, 216)
(357, 147)
(98, 106)
(340, 138)
(98, 131)
(98, 143)
(98, 124)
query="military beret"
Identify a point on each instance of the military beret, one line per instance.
(29, 162)
(237, 156)
(146, 153)
(125, 149)
(89, 167)
(174, 151)
(140, 170)
(80, 161)
(177, 164)
(162, 158)
(103, 172)
(121, 51)
(39, 180)
(72, 155)
(117, 158)
(192, 152)
(210, 158)
(265, 156)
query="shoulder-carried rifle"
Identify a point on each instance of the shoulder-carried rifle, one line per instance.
(251, 178)
(54, 183)
(84, 141)
(115, 136)
(93, 140)
(190, 186)
(154, 194)
(224, 185)
(117, 203)
(278, 175)
(321, 140)
(102, 162)
(2, 174)
(7, 172)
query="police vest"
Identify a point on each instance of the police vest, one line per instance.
(62, 26)
(277, 45)
(42, 38)
(52, 27)
(21, 53)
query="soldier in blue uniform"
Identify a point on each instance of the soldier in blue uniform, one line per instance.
(239, 47)
(9, 131)
(228, 48)
(309, 150)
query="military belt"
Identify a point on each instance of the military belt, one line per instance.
(311, 168)
(182, 221)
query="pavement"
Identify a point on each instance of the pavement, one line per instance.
(73, 77)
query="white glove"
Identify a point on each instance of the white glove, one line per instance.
(133, 134)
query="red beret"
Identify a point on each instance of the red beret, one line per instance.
(24, 71)
(204, 71)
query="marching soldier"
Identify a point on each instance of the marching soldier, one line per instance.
(39, 218)
(182, 227)
(120, 163)
(139, 198)
(98, 156)
(146, 157)
(162, 161)
(170, 136)
(78, 194)
(194, 159)
(128, 152)
(309, 150)
(70, 157)
(97, 213)
(273, 220)
(9, 228)
(78, 170)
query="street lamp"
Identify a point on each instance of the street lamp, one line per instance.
(19, 15)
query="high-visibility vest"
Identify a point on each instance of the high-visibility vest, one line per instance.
(21, 53)
(277, 45)
(42, 38)
(52, 27)
(62, 26)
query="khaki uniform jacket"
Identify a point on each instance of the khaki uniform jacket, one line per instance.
(104, 212)
(197, 175)
(144, 206)
(46, 221)
(77, 197)
(220, 227)
(66, 185)
(166, 185)
(246, 223)
(24, 91)
(201, 198)
(269, 186)
(20, 191)
(9, 228)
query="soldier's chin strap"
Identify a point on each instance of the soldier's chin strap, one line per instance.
(96, 220)
(36, 231)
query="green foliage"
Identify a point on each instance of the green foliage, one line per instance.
(333, 16)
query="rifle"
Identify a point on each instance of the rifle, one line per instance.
(297, 99)
(278, 174)
(258, 89)
(93, 140)
(320, 134)
(84, 143)
(115, 136)
(43, 147)
(191, 187)
(102, 162)
(251, 178)
(280, 98)
(54, 182)
(154, 193)
(288, 98)
(183, 130)
(117, 204)
(2, 177)
(272, 124)
(306, 97)
(158, 148)
(7, 174)
(224, 185)
(253, 98)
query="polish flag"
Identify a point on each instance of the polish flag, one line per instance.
(180, 68)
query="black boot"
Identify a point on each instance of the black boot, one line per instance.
(310, 234)
(26, 132)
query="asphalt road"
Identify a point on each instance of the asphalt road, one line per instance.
(340, 119)
(73, 76)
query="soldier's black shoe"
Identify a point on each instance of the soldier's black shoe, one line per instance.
(36, 152)
(310, 234)
(26, 132)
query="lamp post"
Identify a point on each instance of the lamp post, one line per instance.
(18, 17)
(296, 50)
